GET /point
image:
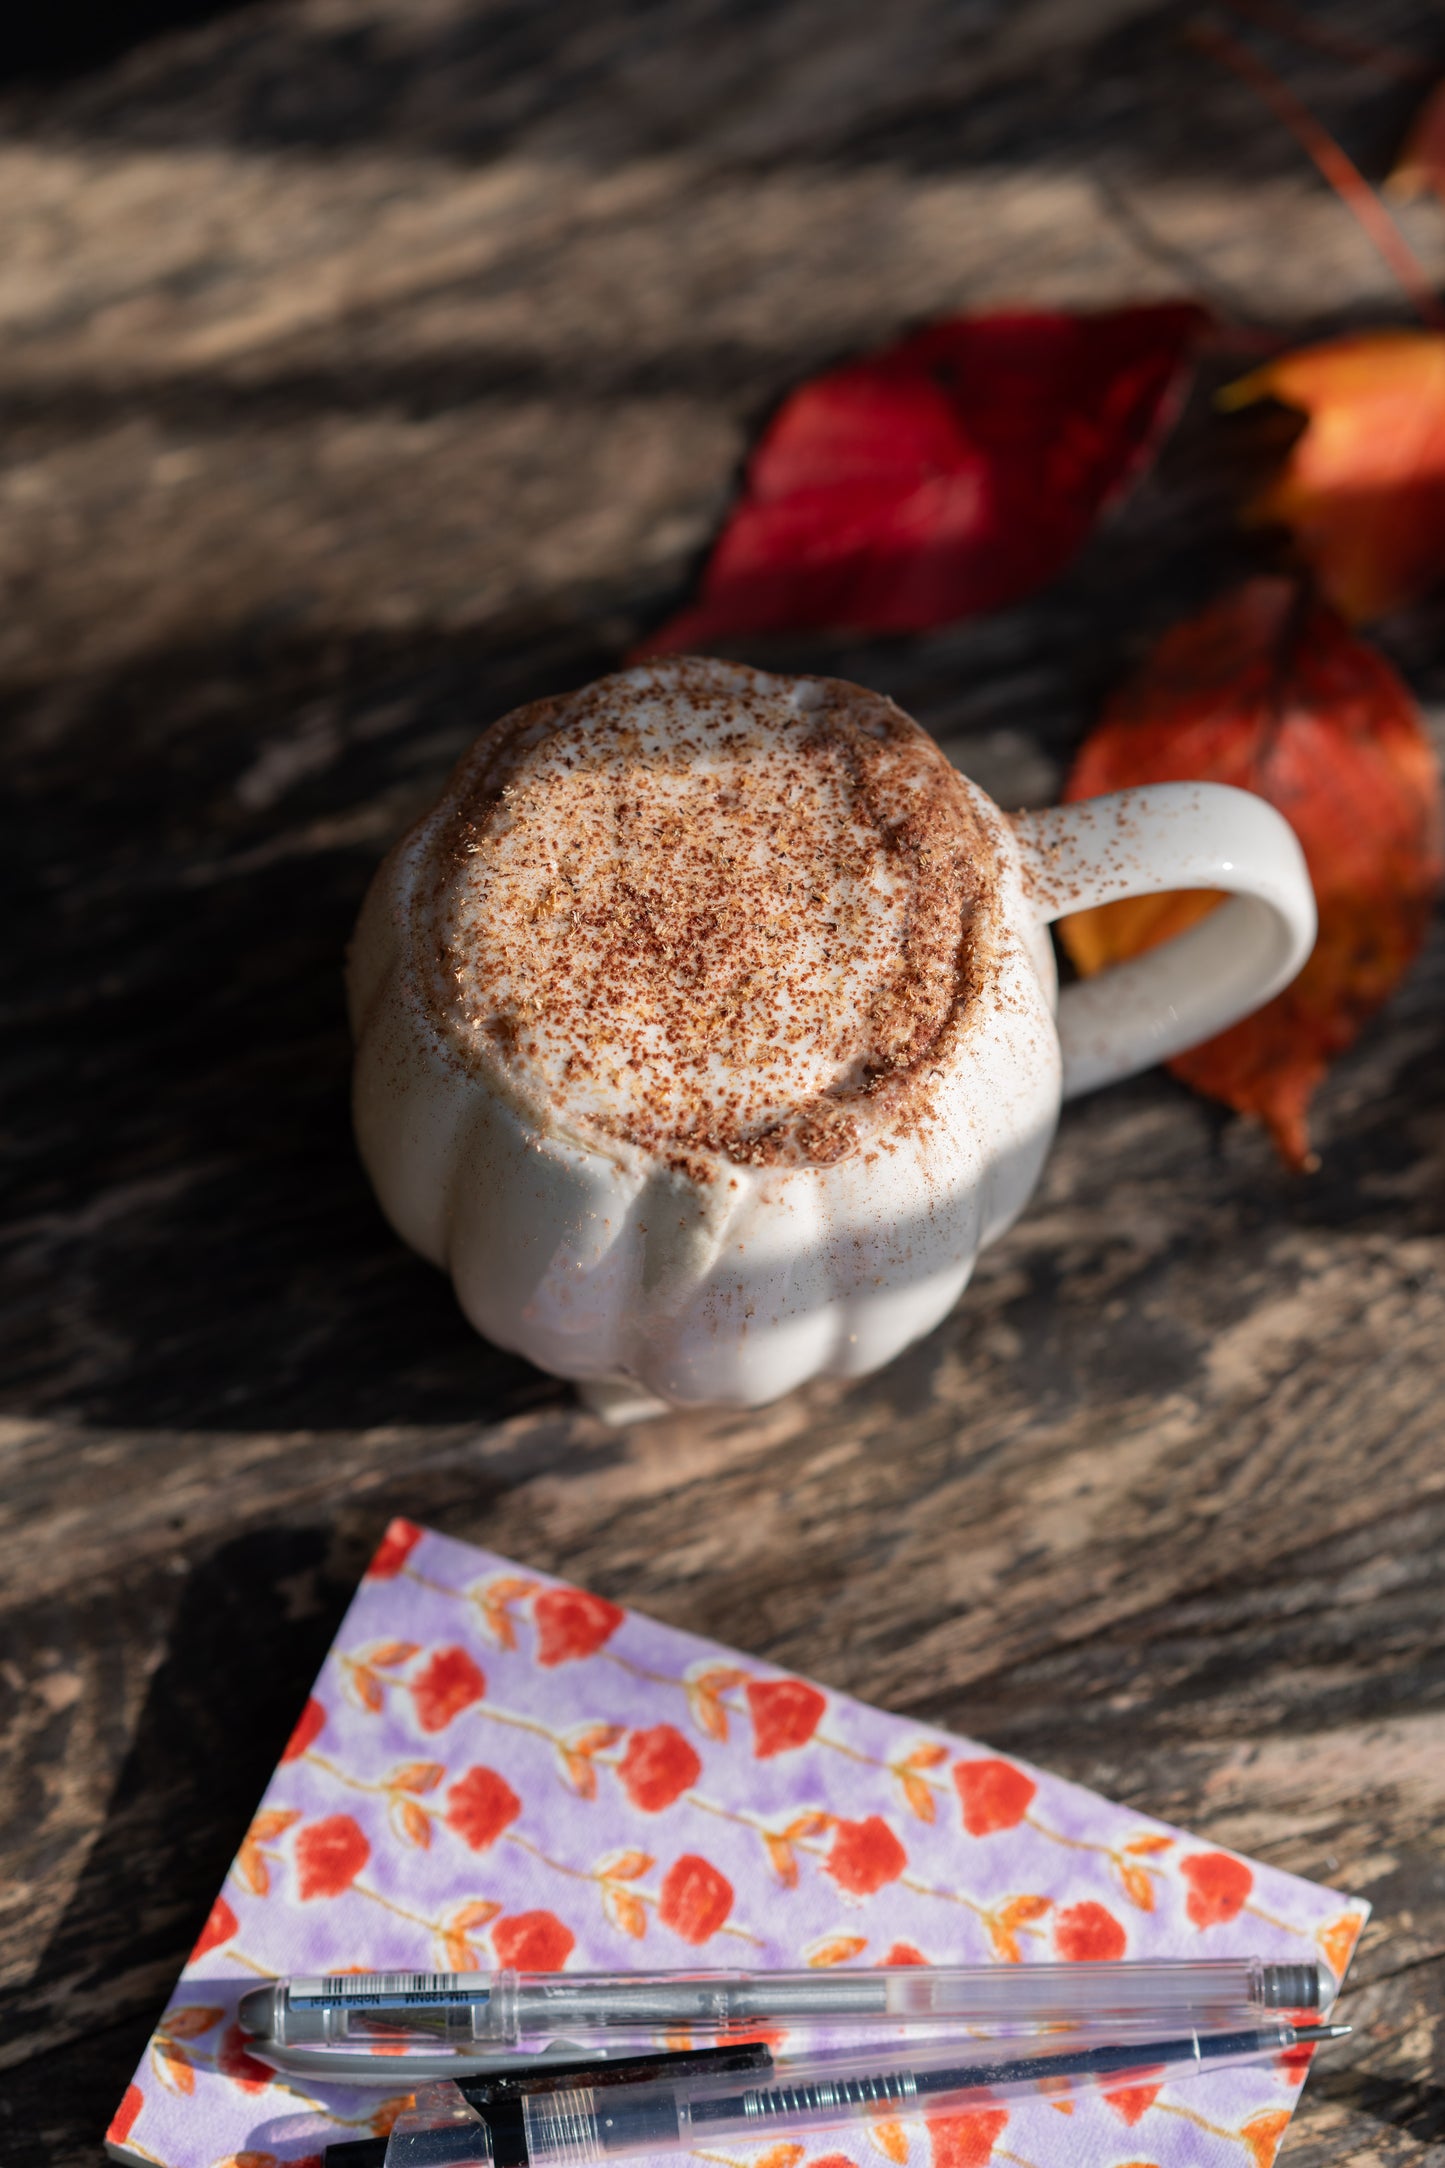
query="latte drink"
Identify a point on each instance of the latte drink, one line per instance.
(705, 1027)
(716, 917)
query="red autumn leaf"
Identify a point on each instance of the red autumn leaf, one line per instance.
(824, 2160)
(903, 1953)
(312, 1717)
(1129, 2102)
(396, 1547)
(965, 2141)
(658, 1767)
(949, 474)
(444, 1687)
(993, 1794)
(696, 1899)
(330, 1854)
(865, 1855)
(1421, 164)
(533, 1942)
(1276, 696)
(571, 1623)
(220, 1926)
(1088, 1933)
(785, 1714)
(1218, 1887)
(122, 2123)
(480, 1806)
(1362, 491)
(234, 2061)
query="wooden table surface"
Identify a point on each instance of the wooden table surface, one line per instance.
(369, 366)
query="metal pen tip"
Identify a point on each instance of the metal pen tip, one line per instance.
(1307, 2035)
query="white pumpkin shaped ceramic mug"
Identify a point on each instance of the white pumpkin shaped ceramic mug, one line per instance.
(709, 1026)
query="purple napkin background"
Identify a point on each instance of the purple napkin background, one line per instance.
(494, 1768)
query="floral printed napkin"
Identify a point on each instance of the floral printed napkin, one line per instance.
(497, 1769)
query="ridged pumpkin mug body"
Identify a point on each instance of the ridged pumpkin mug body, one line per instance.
(706, 1027)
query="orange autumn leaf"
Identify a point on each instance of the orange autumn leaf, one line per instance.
(1274, 694)
(1362, 490)
(1420, 166)
(891, 2139)
(1262, 2134)
(416, 1776)
(1142, 1847)
(411, 1823)
(780, 2156)
(925, 1757)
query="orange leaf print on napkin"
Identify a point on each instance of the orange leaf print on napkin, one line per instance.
(1271, 692)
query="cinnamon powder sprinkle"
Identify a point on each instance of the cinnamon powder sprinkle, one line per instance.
(707, 910)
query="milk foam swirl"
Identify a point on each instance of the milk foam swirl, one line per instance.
(706, 910)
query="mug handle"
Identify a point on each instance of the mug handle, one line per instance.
(1136, 843)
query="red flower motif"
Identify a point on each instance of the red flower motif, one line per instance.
(965, 2141)
(865, 1855)
(833, 2160)
(903, 1953)
(696, 1899)
(994, 1795)
(658, 1767)
(330, 1854)
(1088, 1933)
(123, 2121)
(313, 1716)
(533, 1942)
(1218, 1886)
(220, 1926)
(233, 2062)
(480, 1806)
(572, 1623)
(1131, 2101)
(396, 1547)
(785, 1714)
(450, 1683)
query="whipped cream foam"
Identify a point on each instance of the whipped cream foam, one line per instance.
(706, 910)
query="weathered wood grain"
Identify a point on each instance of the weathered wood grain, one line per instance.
(367, 369)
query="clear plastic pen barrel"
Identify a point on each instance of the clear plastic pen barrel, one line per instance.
(477, 2010)
(582, 2126)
